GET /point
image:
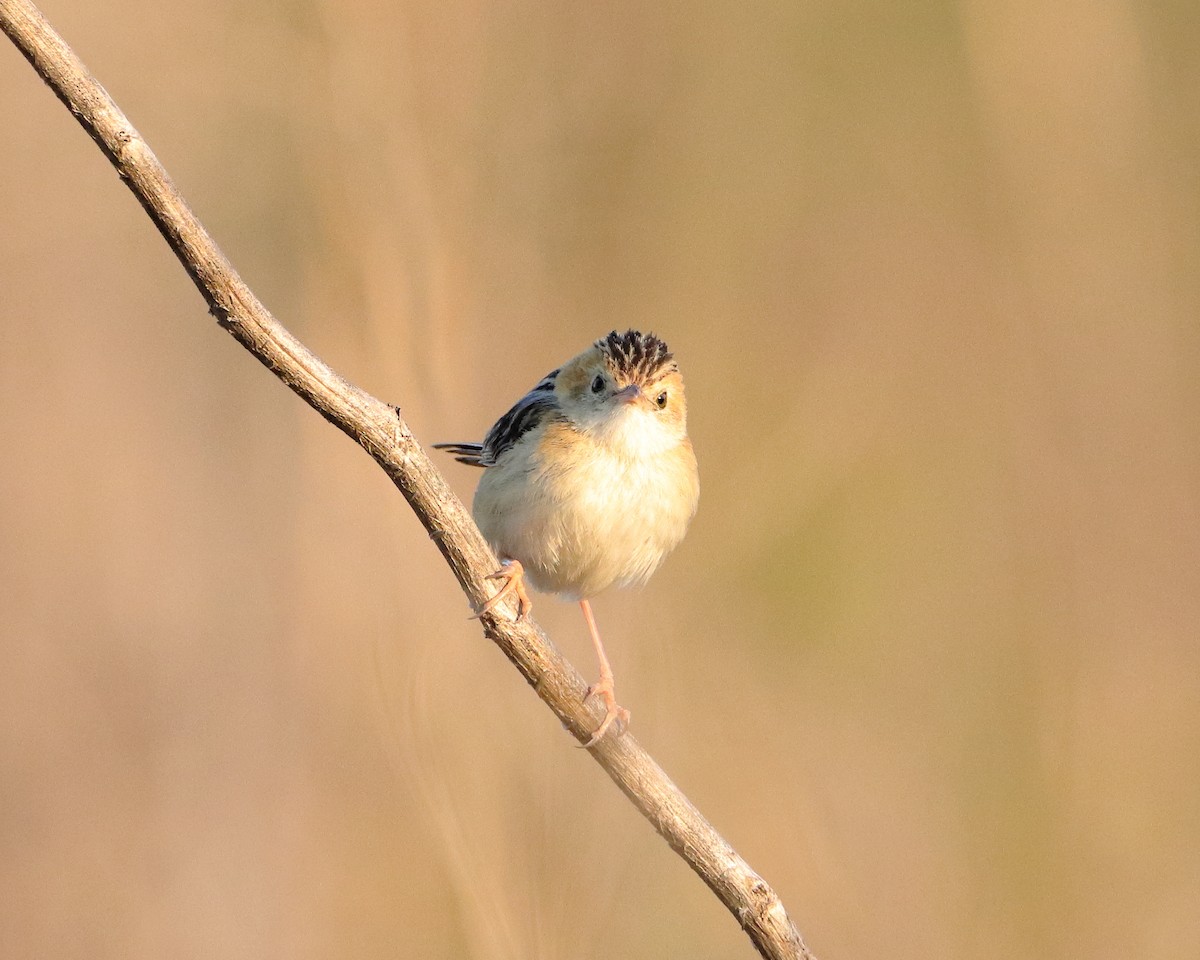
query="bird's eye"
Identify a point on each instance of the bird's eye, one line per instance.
(597, 384)
(661, 400)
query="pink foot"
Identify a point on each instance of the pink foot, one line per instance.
(513, 575)
(613, 713)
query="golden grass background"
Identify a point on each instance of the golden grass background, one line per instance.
(929, 655)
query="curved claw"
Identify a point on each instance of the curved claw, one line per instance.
(613, 712)
(513, 575)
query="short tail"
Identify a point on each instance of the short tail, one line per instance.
(468, 453)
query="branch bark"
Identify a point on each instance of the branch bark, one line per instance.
(381, 430)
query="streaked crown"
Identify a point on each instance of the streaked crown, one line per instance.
(633, 356)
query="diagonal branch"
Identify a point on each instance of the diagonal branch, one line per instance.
(380, 429)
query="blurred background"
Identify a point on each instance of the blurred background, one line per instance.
(928, 657)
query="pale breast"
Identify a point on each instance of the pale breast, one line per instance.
(582, 518)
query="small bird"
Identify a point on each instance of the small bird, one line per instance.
(589, 480)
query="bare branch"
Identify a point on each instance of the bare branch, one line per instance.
(381, 431)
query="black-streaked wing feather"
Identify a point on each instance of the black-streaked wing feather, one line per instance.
(468, 453)
(532, 409)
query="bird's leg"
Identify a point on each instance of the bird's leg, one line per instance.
(513, 575)
(603, 688)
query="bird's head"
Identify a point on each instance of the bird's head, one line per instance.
(626, 392)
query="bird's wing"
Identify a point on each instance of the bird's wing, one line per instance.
(538, 405)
